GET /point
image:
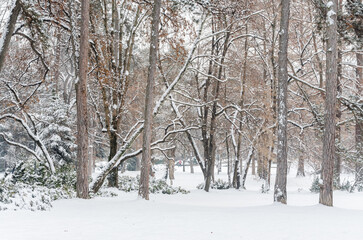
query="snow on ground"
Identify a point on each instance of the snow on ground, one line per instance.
(220, 214)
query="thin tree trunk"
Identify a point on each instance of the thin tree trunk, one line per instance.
(326, 189)
(191, 165)
(249, 159)
(172, 165)
(82, 114)
(280, 194)
(228, 162)
(337, 162)
(253, 166)
(359, 120)
(148, 114)
(301, 166)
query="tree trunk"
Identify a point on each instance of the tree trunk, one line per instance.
(301, 166)
(326, 189)
(148, 114)
(113, 175)
(8, 32)
(172, 165)
(359, 120)
(253, 166)
(82, 114)
(249, 159)
(337, 162)
(228, 162)
(280, 194)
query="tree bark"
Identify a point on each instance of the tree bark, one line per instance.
(359, 119)
(113, 175)
(280, 194)
(148, 114)
(82, 114)
(337, 161)
(9, 30)
(301, 166)
(326, 189)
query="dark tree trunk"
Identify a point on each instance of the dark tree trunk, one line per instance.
(148, 114)
(113, 175)
(228, 162)
(210, 142)
(9, 30)
(280, 194)
(326, 189)
(82, 113)
(301, 166)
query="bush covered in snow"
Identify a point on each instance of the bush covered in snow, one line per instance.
(16, 196)
(219, 184)
(30, 186)
(128, 184)
(35, 174)
(161, 186)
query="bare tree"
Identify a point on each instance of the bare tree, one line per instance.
(82, 114)
(326, 189)
(148, 113)
(280, 194)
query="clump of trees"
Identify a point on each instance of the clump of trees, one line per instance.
(237, 80)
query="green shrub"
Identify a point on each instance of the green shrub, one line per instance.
(31, 186)
(219, 184)
(129, 184)
(315, 186)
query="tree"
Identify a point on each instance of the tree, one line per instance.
(148, 113)
(82, 113)
(326, 189)
(9, 30)
(280, 194)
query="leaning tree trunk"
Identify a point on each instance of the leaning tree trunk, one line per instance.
(82, 114)
(8, 32)
(280, 194)
(148, 114)
(326, 188)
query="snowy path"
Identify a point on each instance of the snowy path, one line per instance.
(227, 214)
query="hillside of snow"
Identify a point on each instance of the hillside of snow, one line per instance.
(219, 214)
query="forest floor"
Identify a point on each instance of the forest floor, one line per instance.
(219, 214)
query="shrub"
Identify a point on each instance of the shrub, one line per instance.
(315, 186)
(30, 186)
(128, 184)
(219, 184)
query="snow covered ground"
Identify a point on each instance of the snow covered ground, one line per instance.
(220, 214)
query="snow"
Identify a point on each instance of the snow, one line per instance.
(329, 15)
(329, 4)
(219, 214)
